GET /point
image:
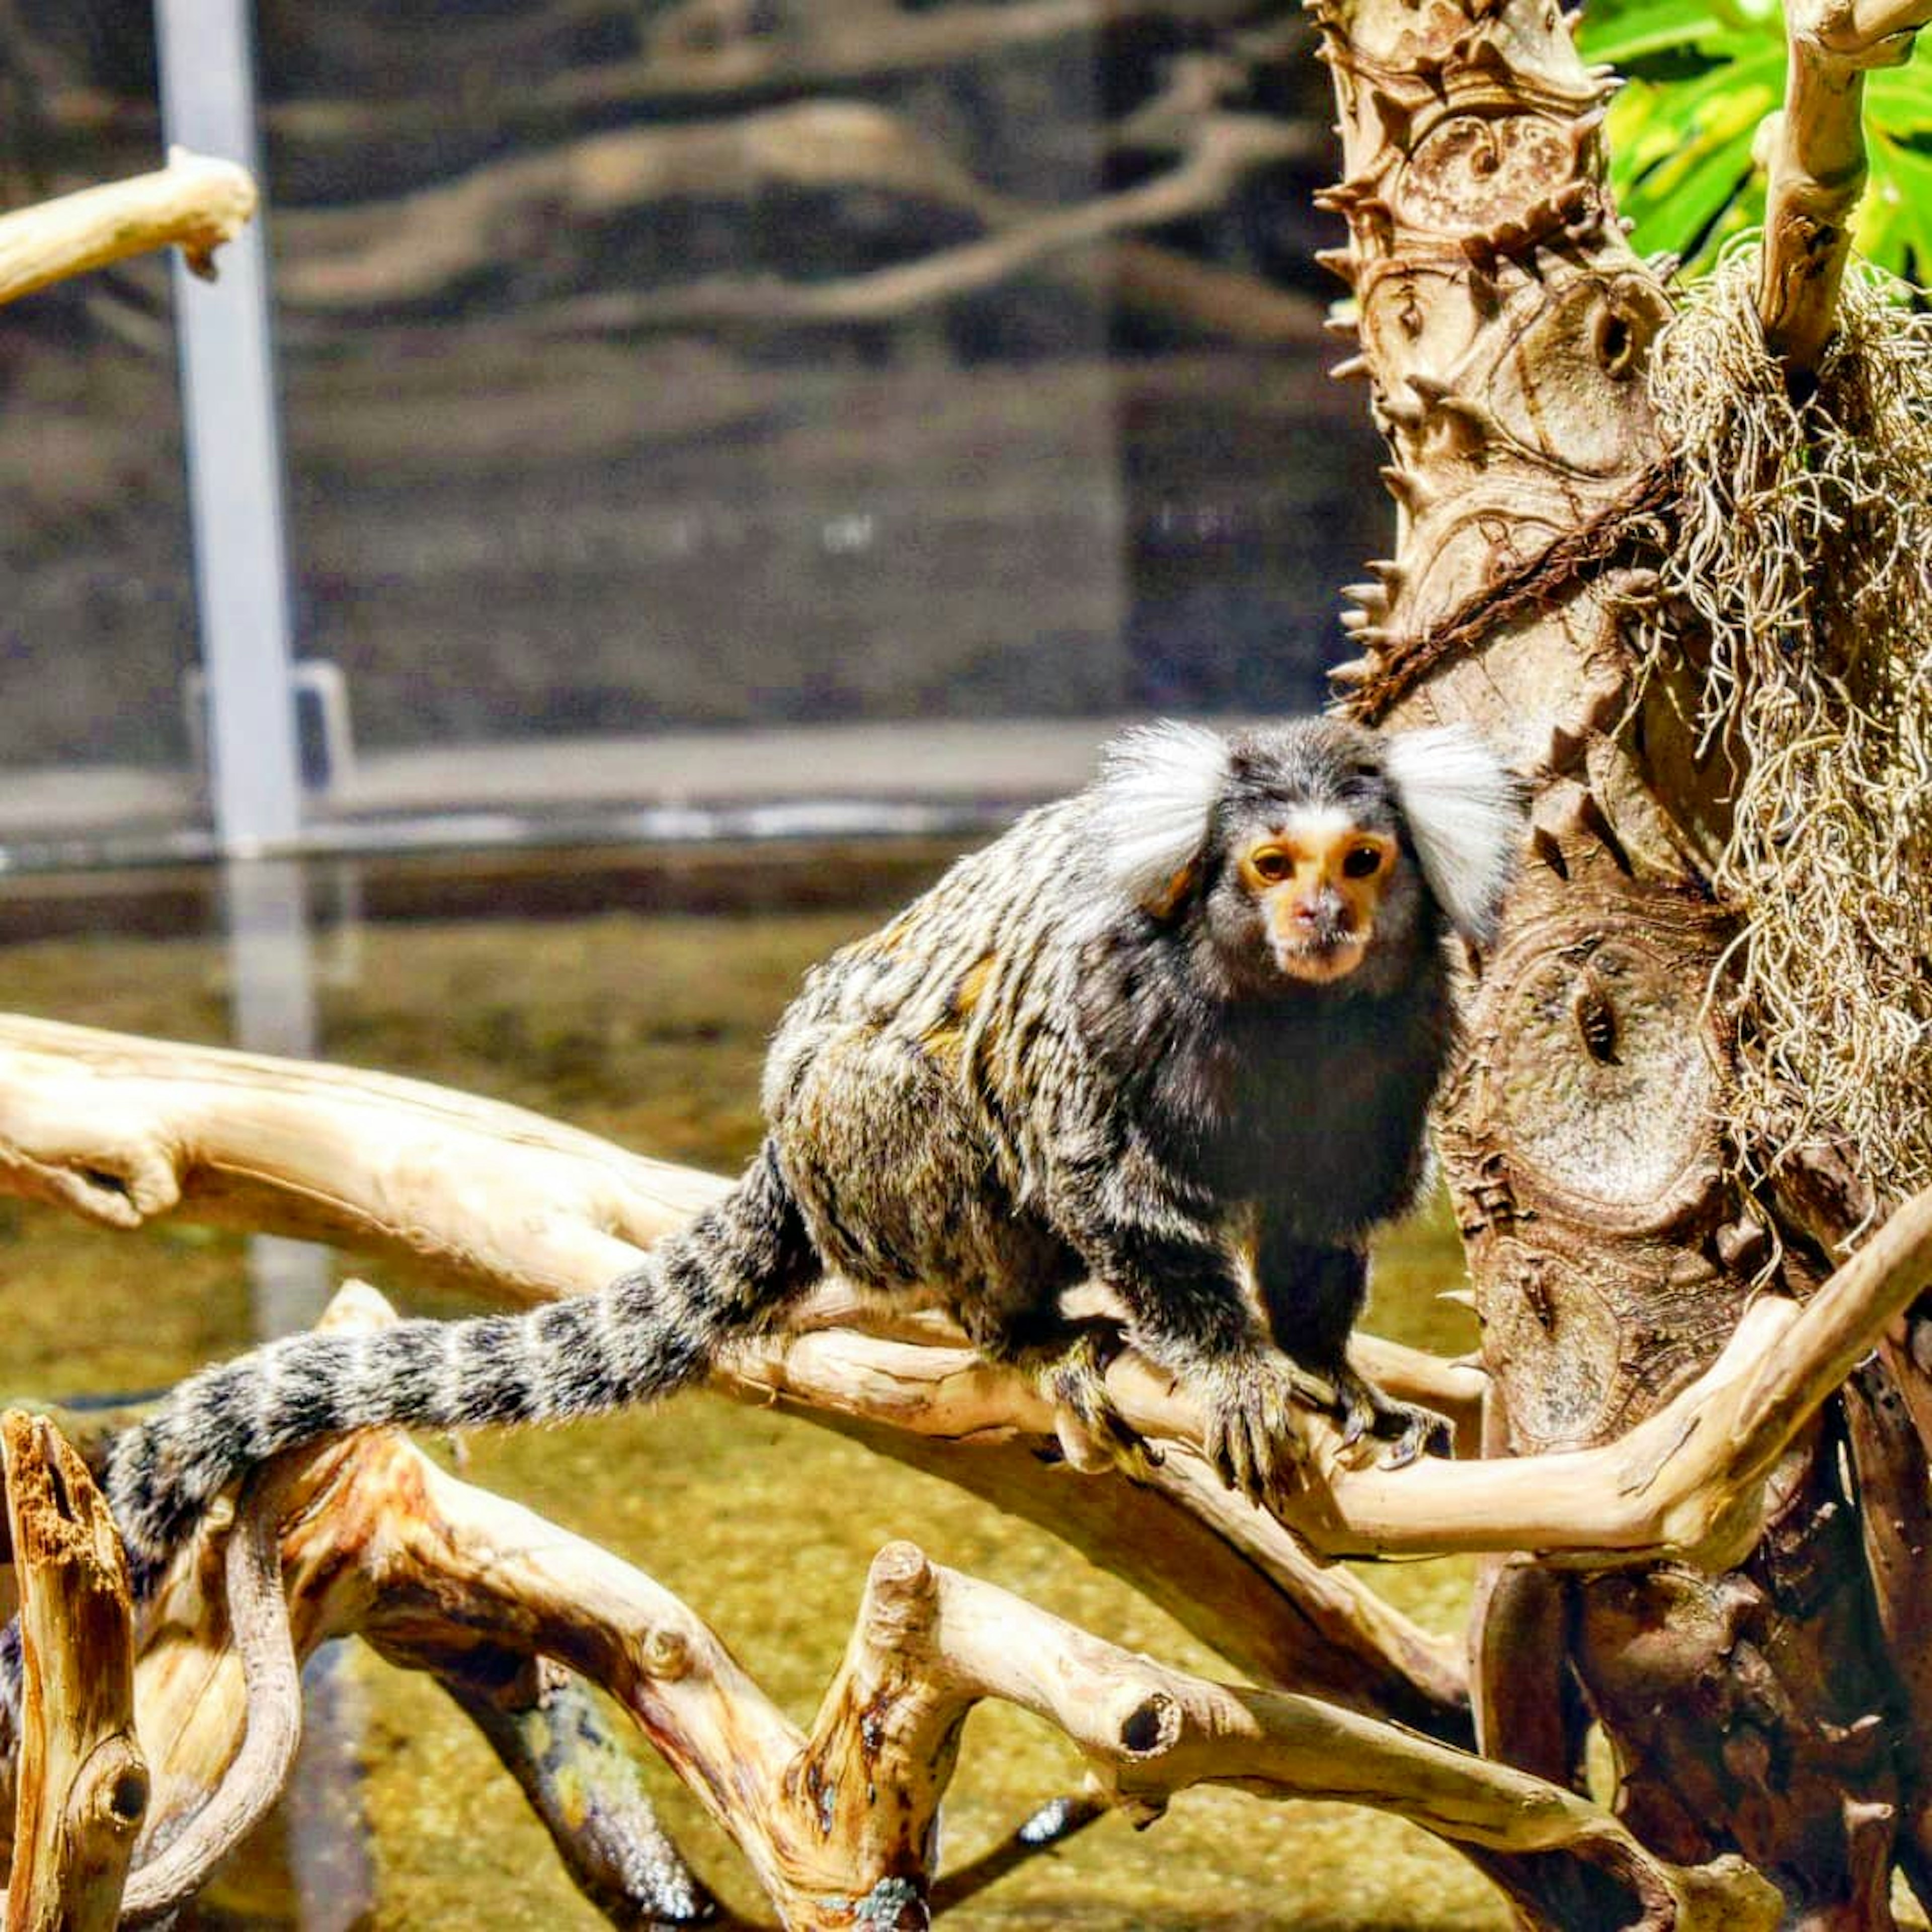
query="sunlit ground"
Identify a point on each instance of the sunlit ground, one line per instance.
(652, 1030)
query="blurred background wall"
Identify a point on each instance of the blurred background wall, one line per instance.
(687, 401)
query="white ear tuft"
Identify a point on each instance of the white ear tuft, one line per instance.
(1465, 809)
(1158, 784)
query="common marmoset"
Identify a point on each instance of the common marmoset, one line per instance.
(1179, 1032)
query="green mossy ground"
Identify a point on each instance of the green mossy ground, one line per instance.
(651, 1031)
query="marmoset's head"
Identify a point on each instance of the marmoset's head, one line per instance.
(1313, 852)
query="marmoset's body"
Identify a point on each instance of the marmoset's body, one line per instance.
(1180, 1032)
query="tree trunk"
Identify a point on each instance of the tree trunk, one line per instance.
(1506, 327)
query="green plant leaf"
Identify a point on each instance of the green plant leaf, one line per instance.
(1894, 219)
(1635, 31)
(1702, 75)
(1681, 149)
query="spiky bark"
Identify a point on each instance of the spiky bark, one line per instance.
(1505, 326)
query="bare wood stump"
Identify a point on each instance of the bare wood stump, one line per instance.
(82, 1780)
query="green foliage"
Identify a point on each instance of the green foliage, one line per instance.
(1703, 74)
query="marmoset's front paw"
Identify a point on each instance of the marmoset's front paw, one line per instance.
(1363, 1410)
(1253, 1432)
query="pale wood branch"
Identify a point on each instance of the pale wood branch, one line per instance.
(519, 1208)
(1817, 160)
(928, 1642)
(195, 204)
(513, 1205)
(218, 1694)
(838, 1823)
(83, 1783)
(126, 1129)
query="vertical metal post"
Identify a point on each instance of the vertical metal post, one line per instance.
(234, 455)
(271, 1009)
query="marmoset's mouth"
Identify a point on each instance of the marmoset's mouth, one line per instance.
(1320, 957)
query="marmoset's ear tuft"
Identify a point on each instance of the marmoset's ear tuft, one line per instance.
(1154, 800)
(1465, 813)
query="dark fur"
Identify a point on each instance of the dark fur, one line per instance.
(1028, 1076)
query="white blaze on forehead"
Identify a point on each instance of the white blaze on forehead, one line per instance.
(1316, 826)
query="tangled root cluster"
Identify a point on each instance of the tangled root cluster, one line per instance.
(1805, 556)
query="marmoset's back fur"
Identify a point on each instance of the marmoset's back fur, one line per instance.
(1106, 1044)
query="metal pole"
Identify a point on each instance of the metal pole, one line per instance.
(234, 456)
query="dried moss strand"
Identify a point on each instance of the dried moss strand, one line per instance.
(1804, 555)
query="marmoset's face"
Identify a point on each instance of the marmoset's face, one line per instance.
(1317, 885)
(1318, 876)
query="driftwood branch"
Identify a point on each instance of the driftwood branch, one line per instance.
(82, 1782)
(432, 1570)
(1817, 156)
(194, 204)
(126, 1130)
(838, 1821)
(585, 1788)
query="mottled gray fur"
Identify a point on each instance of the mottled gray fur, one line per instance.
(1066, 1057)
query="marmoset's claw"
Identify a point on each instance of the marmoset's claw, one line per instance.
(1253, 1434)
(1364, 1411)
(1093, 1432)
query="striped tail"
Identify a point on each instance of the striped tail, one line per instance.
(730, 1274)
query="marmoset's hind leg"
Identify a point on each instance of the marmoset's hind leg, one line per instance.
(894, 1178)
(1068, 1356)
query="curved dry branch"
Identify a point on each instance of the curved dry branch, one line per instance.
(195, 204)
(929, 1642)
(524, 1210)
(418, 247)
(258, 1628)
(1224, 151)
(512, 1205)
(439, 238)
(1817, 149)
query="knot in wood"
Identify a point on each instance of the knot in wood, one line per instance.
(665, 1655)
(902, 1586)
(1603, 1081)
(1596, 1019)
(111, 1789)
(1152, 1725)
